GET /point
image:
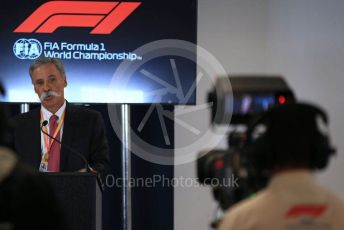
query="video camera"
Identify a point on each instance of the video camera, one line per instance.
(248, 98)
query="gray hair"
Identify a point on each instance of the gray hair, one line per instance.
(46, 60)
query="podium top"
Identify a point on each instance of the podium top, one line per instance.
(76, 174)
(69, 174)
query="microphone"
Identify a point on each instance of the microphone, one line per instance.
(87, 166)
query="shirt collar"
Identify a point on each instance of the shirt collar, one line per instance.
(292, 178)
(47, 114)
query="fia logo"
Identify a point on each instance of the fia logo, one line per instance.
(27, 48)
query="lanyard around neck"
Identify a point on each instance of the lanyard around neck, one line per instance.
(48, 142)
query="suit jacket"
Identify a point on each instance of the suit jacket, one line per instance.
(83, 131)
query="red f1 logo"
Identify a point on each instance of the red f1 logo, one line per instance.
(103, 17)
(309, 210)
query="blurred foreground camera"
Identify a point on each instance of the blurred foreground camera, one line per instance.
(248, 97)
(229, 172)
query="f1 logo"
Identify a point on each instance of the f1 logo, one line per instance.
(309, 210)
(103, 17)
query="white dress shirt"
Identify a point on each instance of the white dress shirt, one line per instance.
(46, 116)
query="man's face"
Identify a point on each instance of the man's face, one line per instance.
(49, 85)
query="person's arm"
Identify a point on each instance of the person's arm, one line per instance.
(99, 159)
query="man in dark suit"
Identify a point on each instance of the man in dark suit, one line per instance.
(27, 199)
(81, 130)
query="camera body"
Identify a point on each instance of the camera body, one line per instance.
(249, 97)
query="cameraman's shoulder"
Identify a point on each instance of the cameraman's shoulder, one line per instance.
(238, 215)
(337, 201)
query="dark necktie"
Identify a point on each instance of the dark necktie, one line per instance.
(54, 152)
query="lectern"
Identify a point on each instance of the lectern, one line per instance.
(80, 197)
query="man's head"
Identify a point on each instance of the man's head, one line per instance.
(295, 136)
(49, 80)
